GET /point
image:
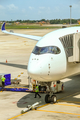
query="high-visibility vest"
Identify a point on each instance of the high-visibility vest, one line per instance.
(3, 79)
(37, 89)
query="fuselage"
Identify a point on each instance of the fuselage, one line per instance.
(48, 61)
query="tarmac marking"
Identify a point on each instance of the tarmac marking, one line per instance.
(68, 96)
(67, 105)
(19, 75)
(22, 73)
(26, 112)
(43, 105)
(58, 112)
(68, 101)
(17, 87)
(17, 116)
(22, 102)
(14, 102)
(49, 111)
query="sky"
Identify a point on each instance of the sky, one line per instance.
(38, 9)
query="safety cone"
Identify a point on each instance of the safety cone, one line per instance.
(6, 61)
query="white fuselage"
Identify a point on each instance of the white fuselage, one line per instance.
(51, 67)
(48, 61)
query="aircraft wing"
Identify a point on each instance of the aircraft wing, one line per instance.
(37, 38)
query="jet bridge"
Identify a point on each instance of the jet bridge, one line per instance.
(71, 45)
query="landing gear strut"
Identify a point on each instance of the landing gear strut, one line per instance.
(50, 97)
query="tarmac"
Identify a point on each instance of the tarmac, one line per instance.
(16, 51)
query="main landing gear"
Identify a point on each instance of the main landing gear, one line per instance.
(50, 97)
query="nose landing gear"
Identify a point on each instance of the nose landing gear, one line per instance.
(49, 99)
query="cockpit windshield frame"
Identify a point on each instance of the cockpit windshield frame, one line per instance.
(47, 49)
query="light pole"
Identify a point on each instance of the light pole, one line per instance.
(70, 13)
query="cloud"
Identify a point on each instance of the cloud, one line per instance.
(31, 8)
(23, 11)
(39, 12)
(41, 8)
(1, 7)
(57, 9)
(75, 6)
(45, 10)
(12, 7)
(49, 8)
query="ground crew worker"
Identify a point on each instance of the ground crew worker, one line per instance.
(3, 81)
(37, 92)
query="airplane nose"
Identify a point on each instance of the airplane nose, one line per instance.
(34, 70)
(44, 68)
(35, 67)
(39, 67)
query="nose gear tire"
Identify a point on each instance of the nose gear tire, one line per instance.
(49, 99)
(53, 99)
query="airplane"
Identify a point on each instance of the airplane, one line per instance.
(49, 59)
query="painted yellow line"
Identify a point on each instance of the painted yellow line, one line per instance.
(68, 101)
(58, 112)
(67, 105)
(68, 96)
(78, 116)
(15, 87)
(22, 73)
(43, 105)
(19, 75)
(26, 112)
(16, 116)
(49, 111)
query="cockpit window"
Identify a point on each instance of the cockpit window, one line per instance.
(48, 49)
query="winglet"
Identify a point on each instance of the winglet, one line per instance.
(3, 27)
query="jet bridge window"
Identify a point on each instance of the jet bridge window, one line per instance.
(49, 49)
